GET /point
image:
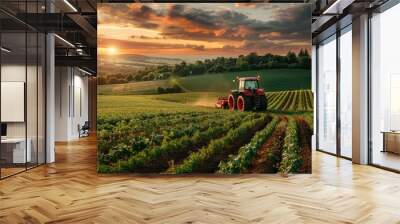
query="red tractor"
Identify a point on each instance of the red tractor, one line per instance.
(248, 96)
(222, 103)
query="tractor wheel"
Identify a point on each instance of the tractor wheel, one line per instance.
(244, 103)
(263, 103)
(232, 103)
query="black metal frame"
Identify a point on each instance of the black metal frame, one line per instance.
(316, 96)
(369, 90)
(338, 98)
(44, 72)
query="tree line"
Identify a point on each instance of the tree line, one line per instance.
(251, 61)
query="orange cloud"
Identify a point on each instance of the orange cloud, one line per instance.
(187, 29)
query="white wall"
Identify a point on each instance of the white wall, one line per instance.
(71, 87)
(13, 101)
(16, 73)
(80, 110)
(62, 81)
(12, 73)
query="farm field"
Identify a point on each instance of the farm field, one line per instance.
(204, 142)
(283, 101)
(142, 131)
(272, 80)
(182, 133)
(290, 101)
(230, 95)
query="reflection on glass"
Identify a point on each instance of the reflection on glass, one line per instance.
(327, 95)
(385, 84)
(32, 73)
(14, 153)
(395, 102)
(41, 99)
(22, 90)
(346, 93)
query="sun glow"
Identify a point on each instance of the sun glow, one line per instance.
(112, 50)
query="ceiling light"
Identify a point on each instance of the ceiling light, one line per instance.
(84, 71)
(333, 6)
(5, 50)
(65, 41)
(70, 5)
(79, 51)
(337, 7)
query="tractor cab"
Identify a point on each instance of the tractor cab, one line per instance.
(248, 83)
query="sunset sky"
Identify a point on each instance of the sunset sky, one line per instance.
(199, 30)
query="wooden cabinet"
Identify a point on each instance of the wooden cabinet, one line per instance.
(391, 142)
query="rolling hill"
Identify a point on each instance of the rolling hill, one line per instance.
(271, 80)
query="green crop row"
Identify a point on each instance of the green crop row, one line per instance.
(207, 158)
(146, 127)
(242, 161)
(157, 159)
(292, 101)
(131, 145)
(291, 153)
(108, 121)
(130, 133)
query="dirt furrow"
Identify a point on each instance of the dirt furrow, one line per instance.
(269, 155)
(304, 135)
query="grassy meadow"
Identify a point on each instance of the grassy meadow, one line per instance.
(282, 102)
(272, 80)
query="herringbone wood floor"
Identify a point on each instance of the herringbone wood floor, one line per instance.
(70, 191)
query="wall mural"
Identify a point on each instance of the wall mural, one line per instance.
(204, 88)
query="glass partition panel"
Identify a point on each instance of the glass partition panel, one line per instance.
(14, 153)
(41, 98)
(327, 95)
(22, 77)
(31, 98)
(346, 92)
(385, 89)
